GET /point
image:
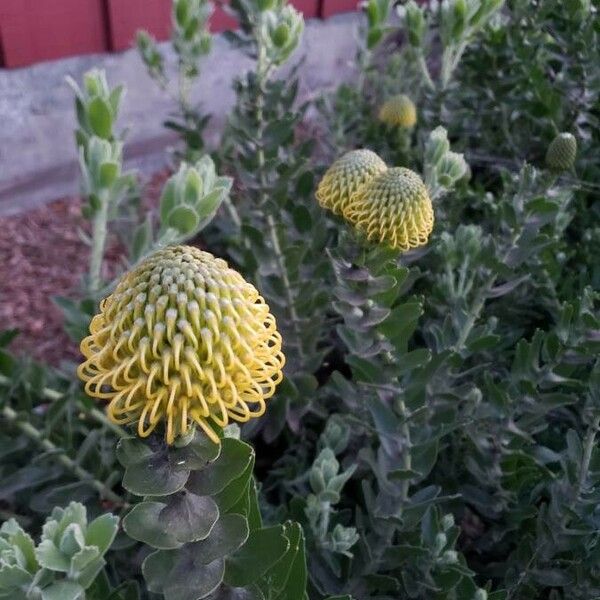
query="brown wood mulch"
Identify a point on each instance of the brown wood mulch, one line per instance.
(41, 256)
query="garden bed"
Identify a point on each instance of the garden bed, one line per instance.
(42, 256)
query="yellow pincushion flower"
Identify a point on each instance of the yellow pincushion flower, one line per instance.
(393, 209)
(345, 176)
(398, 111)
(183, 339)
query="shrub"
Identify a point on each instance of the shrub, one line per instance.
(404, 323)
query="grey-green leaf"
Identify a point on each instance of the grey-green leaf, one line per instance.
(189, 517)
(143, 523)
(262, 550)
(232, 462)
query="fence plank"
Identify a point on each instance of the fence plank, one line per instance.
(333, 7)
(35, 30)
(126, 17)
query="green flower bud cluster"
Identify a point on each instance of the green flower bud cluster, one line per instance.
(151, 56)
(451, 169)
(65, 562)
(327, 482)
(282, 30)
(461, 18)
(191, 36)
(442, 539)
(464, 244)
(325, 478)
(342, 539)
(415, 23)
(101, 174)
(443, 168)
(377, 12)
(97, 107)
(336, 434)
(264, 5)
(561, 153)
(190, 199)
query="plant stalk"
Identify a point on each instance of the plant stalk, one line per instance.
(586, 457)
(262, 72)
(406, 455)
(424, 69)
(99, 232)
(35, 436)
(474, 313)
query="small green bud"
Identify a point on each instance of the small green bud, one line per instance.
(440, 542)
(181, 12)
(374, 37)
(437, 146)
(94, 82)
(445, 180)
(372, 13)
(281, 35)
(450, 557)
(343, 538)
(460, 10)
(264, 5)
(415, 24)
(475, 396)
(562, 152)
(330, 469)
(191, 197)
(480, 594)
(317, 481)
(282, 32)
(336, 434)
(453, 165)
(205, 43)
(447, 522)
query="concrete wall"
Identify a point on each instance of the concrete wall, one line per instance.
(37, 150)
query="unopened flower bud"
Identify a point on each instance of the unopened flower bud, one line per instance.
(398, 111)
(562, 152)
(281, 35)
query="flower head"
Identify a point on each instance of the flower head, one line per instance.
(345, 176)
(393, 209)
(562, 152)
(183, 339)
(398, 111)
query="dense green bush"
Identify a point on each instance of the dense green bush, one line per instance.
(435, 433)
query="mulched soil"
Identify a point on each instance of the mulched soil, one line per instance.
(41, 256)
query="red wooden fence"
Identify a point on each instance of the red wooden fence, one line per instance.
(36, 30)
